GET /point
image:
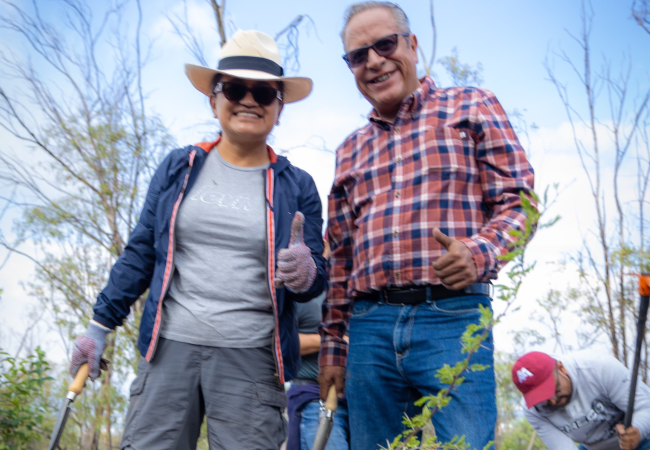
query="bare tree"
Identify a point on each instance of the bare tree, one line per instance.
(86, 147)
(428, 63)
(609, 300)
(287, 37)
(641, 13)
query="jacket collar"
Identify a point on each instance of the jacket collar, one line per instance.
(208, 146)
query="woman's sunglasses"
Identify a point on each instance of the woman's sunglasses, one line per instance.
(383, 47)
(234, 92)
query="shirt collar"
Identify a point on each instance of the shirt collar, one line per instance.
(411, 105)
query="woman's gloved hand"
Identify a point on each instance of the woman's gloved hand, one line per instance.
(89, 348)
(296, 268)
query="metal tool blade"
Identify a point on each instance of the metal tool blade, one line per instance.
(73, 390)
(325, 424)
(325, 419)
(59, 425)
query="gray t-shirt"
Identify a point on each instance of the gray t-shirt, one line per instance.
(309, 316)
(601, 386)
(219, 294)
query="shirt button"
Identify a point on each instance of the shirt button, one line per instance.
(397, 129)
(397, 275)
(463, 134)
(399, 159)
(395, 233)
(397, 194)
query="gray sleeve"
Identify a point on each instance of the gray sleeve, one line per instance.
(616, 380)
(552, 437)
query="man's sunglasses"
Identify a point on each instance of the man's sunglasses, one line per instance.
(383, 47)
(234, 92)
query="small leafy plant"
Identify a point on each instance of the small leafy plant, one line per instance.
(21, 407)
(475, 335)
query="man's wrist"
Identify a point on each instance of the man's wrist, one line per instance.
(484, 260)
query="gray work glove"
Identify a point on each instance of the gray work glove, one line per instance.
(296, 268)
(89, 348)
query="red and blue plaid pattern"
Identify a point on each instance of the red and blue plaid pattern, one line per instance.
(450, 160)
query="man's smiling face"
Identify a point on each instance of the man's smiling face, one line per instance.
(384, 81)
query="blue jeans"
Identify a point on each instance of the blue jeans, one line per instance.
(643, 445)
(339, 436)
(395, 352)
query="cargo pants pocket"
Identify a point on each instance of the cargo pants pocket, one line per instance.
(267, 421)
(135, 401)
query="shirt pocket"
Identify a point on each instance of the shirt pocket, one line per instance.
(446, 152)
(448, 164)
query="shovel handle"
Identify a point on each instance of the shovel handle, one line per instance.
(79, 379)
(331, 402)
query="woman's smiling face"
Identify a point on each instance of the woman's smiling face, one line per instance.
(245, 120)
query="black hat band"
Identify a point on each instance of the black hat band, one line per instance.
(251, 63)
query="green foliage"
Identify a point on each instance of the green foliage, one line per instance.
(519, 435)
(462, 74)
(508, 397)
(89, 146)
(22, 411)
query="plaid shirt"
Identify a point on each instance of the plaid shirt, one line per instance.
(450, 160)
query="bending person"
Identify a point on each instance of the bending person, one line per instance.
(218, 335)
(582, 399)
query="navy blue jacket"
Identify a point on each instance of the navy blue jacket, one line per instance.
(148, 258)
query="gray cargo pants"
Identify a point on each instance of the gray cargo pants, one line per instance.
(235, 388)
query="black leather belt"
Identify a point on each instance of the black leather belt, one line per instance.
(421, 294)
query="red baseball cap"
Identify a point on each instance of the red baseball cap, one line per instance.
(533, 376)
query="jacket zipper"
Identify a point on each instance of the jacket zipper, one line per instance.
(170, 263)
(270, 273)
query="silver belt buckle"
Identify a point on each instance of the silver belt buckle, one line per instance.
(476, 288)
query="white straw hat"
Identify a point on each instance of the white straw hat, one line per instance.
(251, 55)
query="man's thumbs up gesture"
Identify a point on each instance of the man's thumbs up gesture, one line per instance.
(296, 268)
(455, 268)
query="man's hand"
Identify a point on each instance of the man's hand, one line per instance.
(627, 439)
(456, 268)
(296, 268)
(331, 375)
(88, 349)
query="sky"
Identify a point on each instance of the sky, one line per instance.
(511, 39)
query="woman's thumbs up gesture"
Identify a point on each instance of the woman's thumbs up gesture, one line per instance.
(296, 268)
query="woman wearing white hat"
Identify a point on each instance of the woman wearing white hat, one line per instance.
(220, 246)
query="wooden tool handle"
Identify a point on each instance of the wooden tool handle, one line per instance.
(79, 380)
(331, 402)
